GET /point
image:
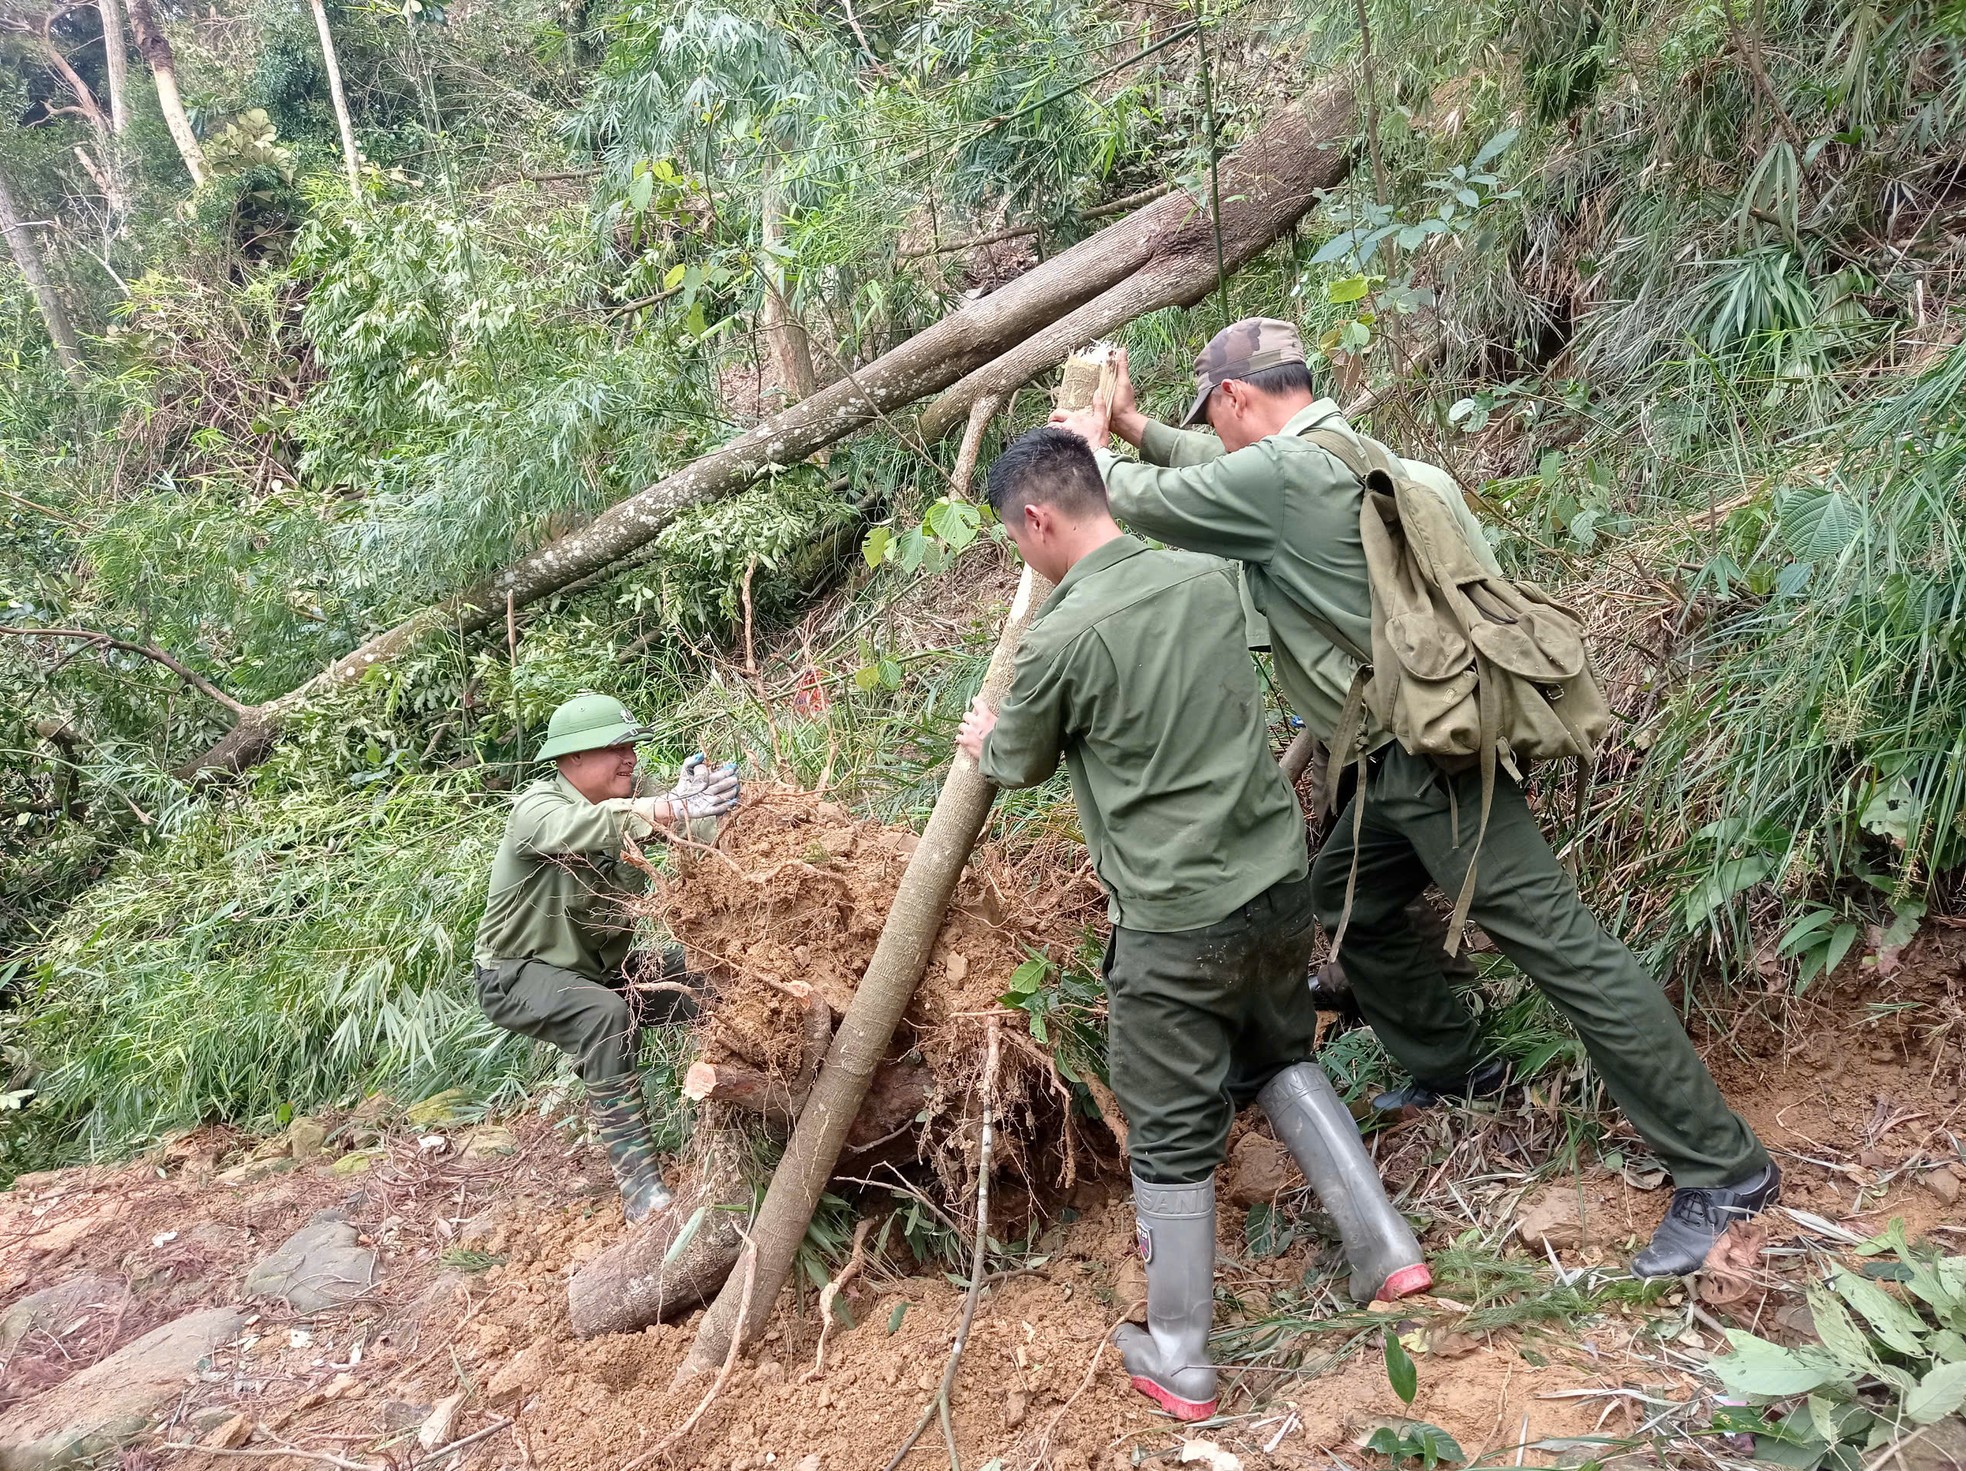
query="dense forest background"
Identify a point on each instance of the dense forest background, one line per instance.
(298, 341)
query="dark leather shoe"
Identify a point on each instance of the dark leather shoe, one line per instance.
(1488, 1079)
(1698, 1218)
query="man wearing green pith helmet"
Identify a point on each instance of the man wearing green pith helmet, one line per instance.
(557, 930)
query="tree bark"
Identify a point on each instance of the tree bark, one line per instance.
(351, 156)
(1269, 184)
(118, 63)
(785, 334)
(967, 339)
(27, 255)
(162, 61)
(107, 174)
(862, 1041)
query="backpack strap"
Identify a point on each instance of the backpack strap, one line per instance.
(1361, 456)
(1489, 702)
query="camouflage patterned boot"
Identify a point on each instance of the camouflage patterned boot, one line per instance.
(621, 1119)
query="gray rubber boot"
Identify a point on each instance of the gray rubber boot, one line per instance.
(1168, 1359)
(621, 1120)
(1314, 1125)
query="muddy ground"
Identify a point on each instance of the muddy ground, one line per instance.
(459, 1353)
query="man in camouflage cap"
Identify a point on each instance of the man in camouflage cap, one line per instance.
(556, 930)
(1258, 491)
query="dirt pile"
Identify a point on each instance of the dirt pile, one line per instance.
(785, 912)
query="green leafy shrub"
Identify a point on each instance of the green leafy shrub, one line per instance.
(298, 950)
(1886, 1362)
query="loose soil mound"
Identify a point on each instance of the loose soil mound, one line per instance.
(793, 899)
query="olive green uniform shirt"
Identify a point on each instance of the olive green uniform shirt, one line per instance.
(1134, 671)
(559, 885)
(1288, 511)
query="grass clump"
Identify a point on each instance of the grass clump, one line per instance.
(298, 951)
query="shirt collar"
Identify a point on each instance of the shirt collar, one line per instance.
(1312, 415)
(1107, 554)
(568, 790)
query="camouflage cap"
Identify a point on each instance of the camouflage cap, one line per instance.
(1238, 350)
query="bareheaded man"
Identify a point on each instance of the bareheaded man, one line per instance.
(1134, 672)
(1259, 492)
(557, 928)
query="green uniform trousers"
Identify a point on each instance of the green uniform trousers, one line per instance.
(593, 1022)
(1199, 1020)
(1412, 833)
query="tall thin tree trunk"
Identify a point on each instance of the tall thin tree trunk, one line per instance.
(920, 906)
(351, 156)
(118, 63)
(785, 334)
(157, 54)
(902, 954)
(68, 352)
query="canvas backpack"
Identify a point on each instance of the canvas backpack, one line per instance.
(1467, 667)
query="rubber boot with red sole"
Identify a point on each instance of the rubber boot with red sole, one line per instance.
(1168, 1359)
(1314, 1125)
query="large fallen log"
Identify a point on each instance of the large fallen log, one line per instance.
(1275, 181)
(961, 342)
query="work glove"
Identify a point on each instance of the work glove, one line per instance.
(703, 790)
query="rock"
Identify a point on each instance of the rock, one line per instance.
(401, 1414)
(807, 1463)
(448, 1107)
(1942, 1182)
(230, 1435)
(54, 1308)
(1873, 1159)
(59, 1237)
(319, 1266)
(111, 1402)
(1259, 1170)
(436, 1430)
(1016, 1405)
(524, 1374)
(305, 1137)
(1210, 1455)
(487, 1140)
(769, 1374)
(254, 1169)
(1554, 1221)
(355, 1161)
(1940, 1447)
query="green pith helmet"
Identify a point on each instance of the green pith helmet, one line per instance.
(588, 723)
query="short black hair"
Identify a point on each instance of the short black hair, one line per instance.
(1283, 378)
(1048, 466)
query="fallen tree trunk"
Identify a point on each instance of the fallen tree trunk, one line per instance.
(1263, 181)
(1276, 181)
